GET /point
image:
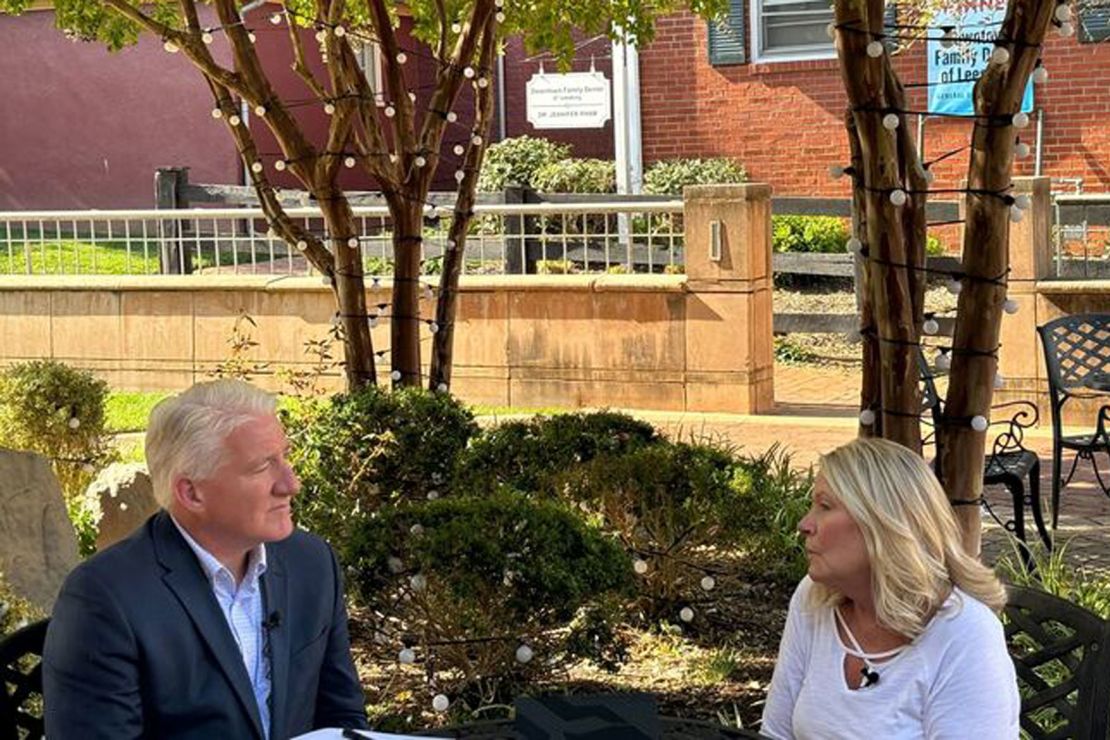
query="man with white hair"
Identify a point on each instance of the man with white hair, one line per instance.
(217, 618)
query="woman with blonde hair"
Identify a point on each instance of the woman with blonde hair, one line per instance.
(894, 632)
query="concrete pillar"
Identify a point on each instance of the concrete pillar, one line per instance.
(729, 343)
(1021, 359)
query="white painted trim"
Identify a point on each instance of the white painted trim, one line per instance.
(758, 56)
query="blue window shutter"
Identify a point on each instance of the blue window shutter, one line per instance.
(1093, 18)
(726, 36)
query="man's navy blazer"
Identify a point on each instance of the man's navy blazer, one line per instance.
(138, 647)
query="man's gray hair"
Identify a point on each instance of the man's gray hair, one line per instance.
(187, 432)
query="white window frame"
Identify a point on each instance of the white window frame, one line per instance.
(761, 55)
(370, 61)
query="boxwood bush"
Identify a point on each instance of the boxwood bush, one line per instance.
(516, 161)
(501, 588)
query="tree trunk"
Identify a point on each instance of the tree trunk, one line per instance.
(986, 259)
(405, 320)
(350, 289)
(870, 390)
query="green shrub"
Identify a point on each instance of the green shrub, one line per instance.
(465, 582)
(516, 161)
(524, 455)
(576, 176)
(821, 234)
(356, 452)
(934, 247)
(1052, 573)
(670, 176)
(58, 411)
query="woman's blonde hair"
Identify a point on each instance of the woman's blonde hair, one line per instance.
(909, 531)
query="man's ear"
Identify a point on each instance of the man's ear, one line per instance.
(185, 494)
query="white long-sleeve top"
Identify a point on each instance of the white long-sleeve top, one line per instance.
(956, 680)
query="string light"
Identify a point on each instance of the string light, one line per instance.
(524, 654)
(407, 656)
(930, 326)
(875, 49)
(979, 423)
(686, 614)
(234, 120)
(401, 57)
(867, 417)
(171, 47)
(441, 703)
(1021, 120)
(206, 38)
(640, 566)
(890, 121)
(260, 110)
(1000, 55)
(708, 583)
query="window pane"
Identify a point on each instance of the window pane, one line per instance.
(788, 25)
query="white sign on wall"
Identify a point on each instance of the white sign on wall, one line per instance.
(573, 100)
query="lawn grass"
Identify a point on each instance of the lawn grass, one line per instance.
(76, 258)
(128, 411)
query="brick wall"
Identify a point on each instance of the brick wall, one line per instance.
(784, 121)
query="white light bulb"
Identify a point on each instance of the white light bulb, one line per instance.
(930, 178)
(483, 82)
(1063, 12)
(1000, 55)
(74, 422)
(836, 171)
(451, 244)
(206, 37)
(275, 19)
(1021, 120)
(406, 656)
(1010, 306)
(302, 245)
(943, 362)
(433, 495)
(234, 120)
(260, 110)
(999, 381)
(256, 167)
(217, 113)
(686, 614)
(395, 375)
(171, 47)
(459, 149)
(955, 286)
(831, 31)
(418, 582)
(930, 326)
(433, 327)
(352, 242)
(1066, 29)
(854, 244)
(412, 96)
(441, 703)
(979, 423)
(417, 529)
(322, 35)
(476, 140)
(393, 158)
(890, 121)
(1023, 201)
(420, 161)
(349, 162)
(340, 31)
(524, 654)
(1021, 150)
(329, 108)
(500, 17)
(1016, 214)
(640, 566)
(875, 49)
(452, 116)
(459, 175)
(251, 37)
(279, 165)
(402, 57)
(468, 72)
(708, 583)
(898, 197)
(456, 28)
(390, 111)
(1040, 75)
(867, 417)
(442, 387)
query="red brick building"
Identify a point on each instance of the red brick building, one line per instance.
(773, 99)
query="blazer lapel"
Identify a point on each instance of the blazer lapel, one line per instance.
(276, 600)
(186, 579)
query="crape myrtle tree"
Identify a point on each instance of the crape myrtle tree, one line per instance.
(385, 133)
(890, 186)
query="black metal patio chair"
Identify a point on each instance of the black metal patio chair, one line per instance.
(1061, 655)
(1008, 463)
(21, 680)
(1077, 353)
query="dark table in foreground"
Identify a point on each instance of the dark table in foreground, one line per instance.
(674, 728)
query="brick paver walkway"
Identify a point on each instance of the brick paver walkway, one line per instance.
(816, 411)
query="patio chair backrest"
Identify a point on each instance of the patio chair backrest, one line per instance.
(21, 683)
(1073, 347)
(1061, 654)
